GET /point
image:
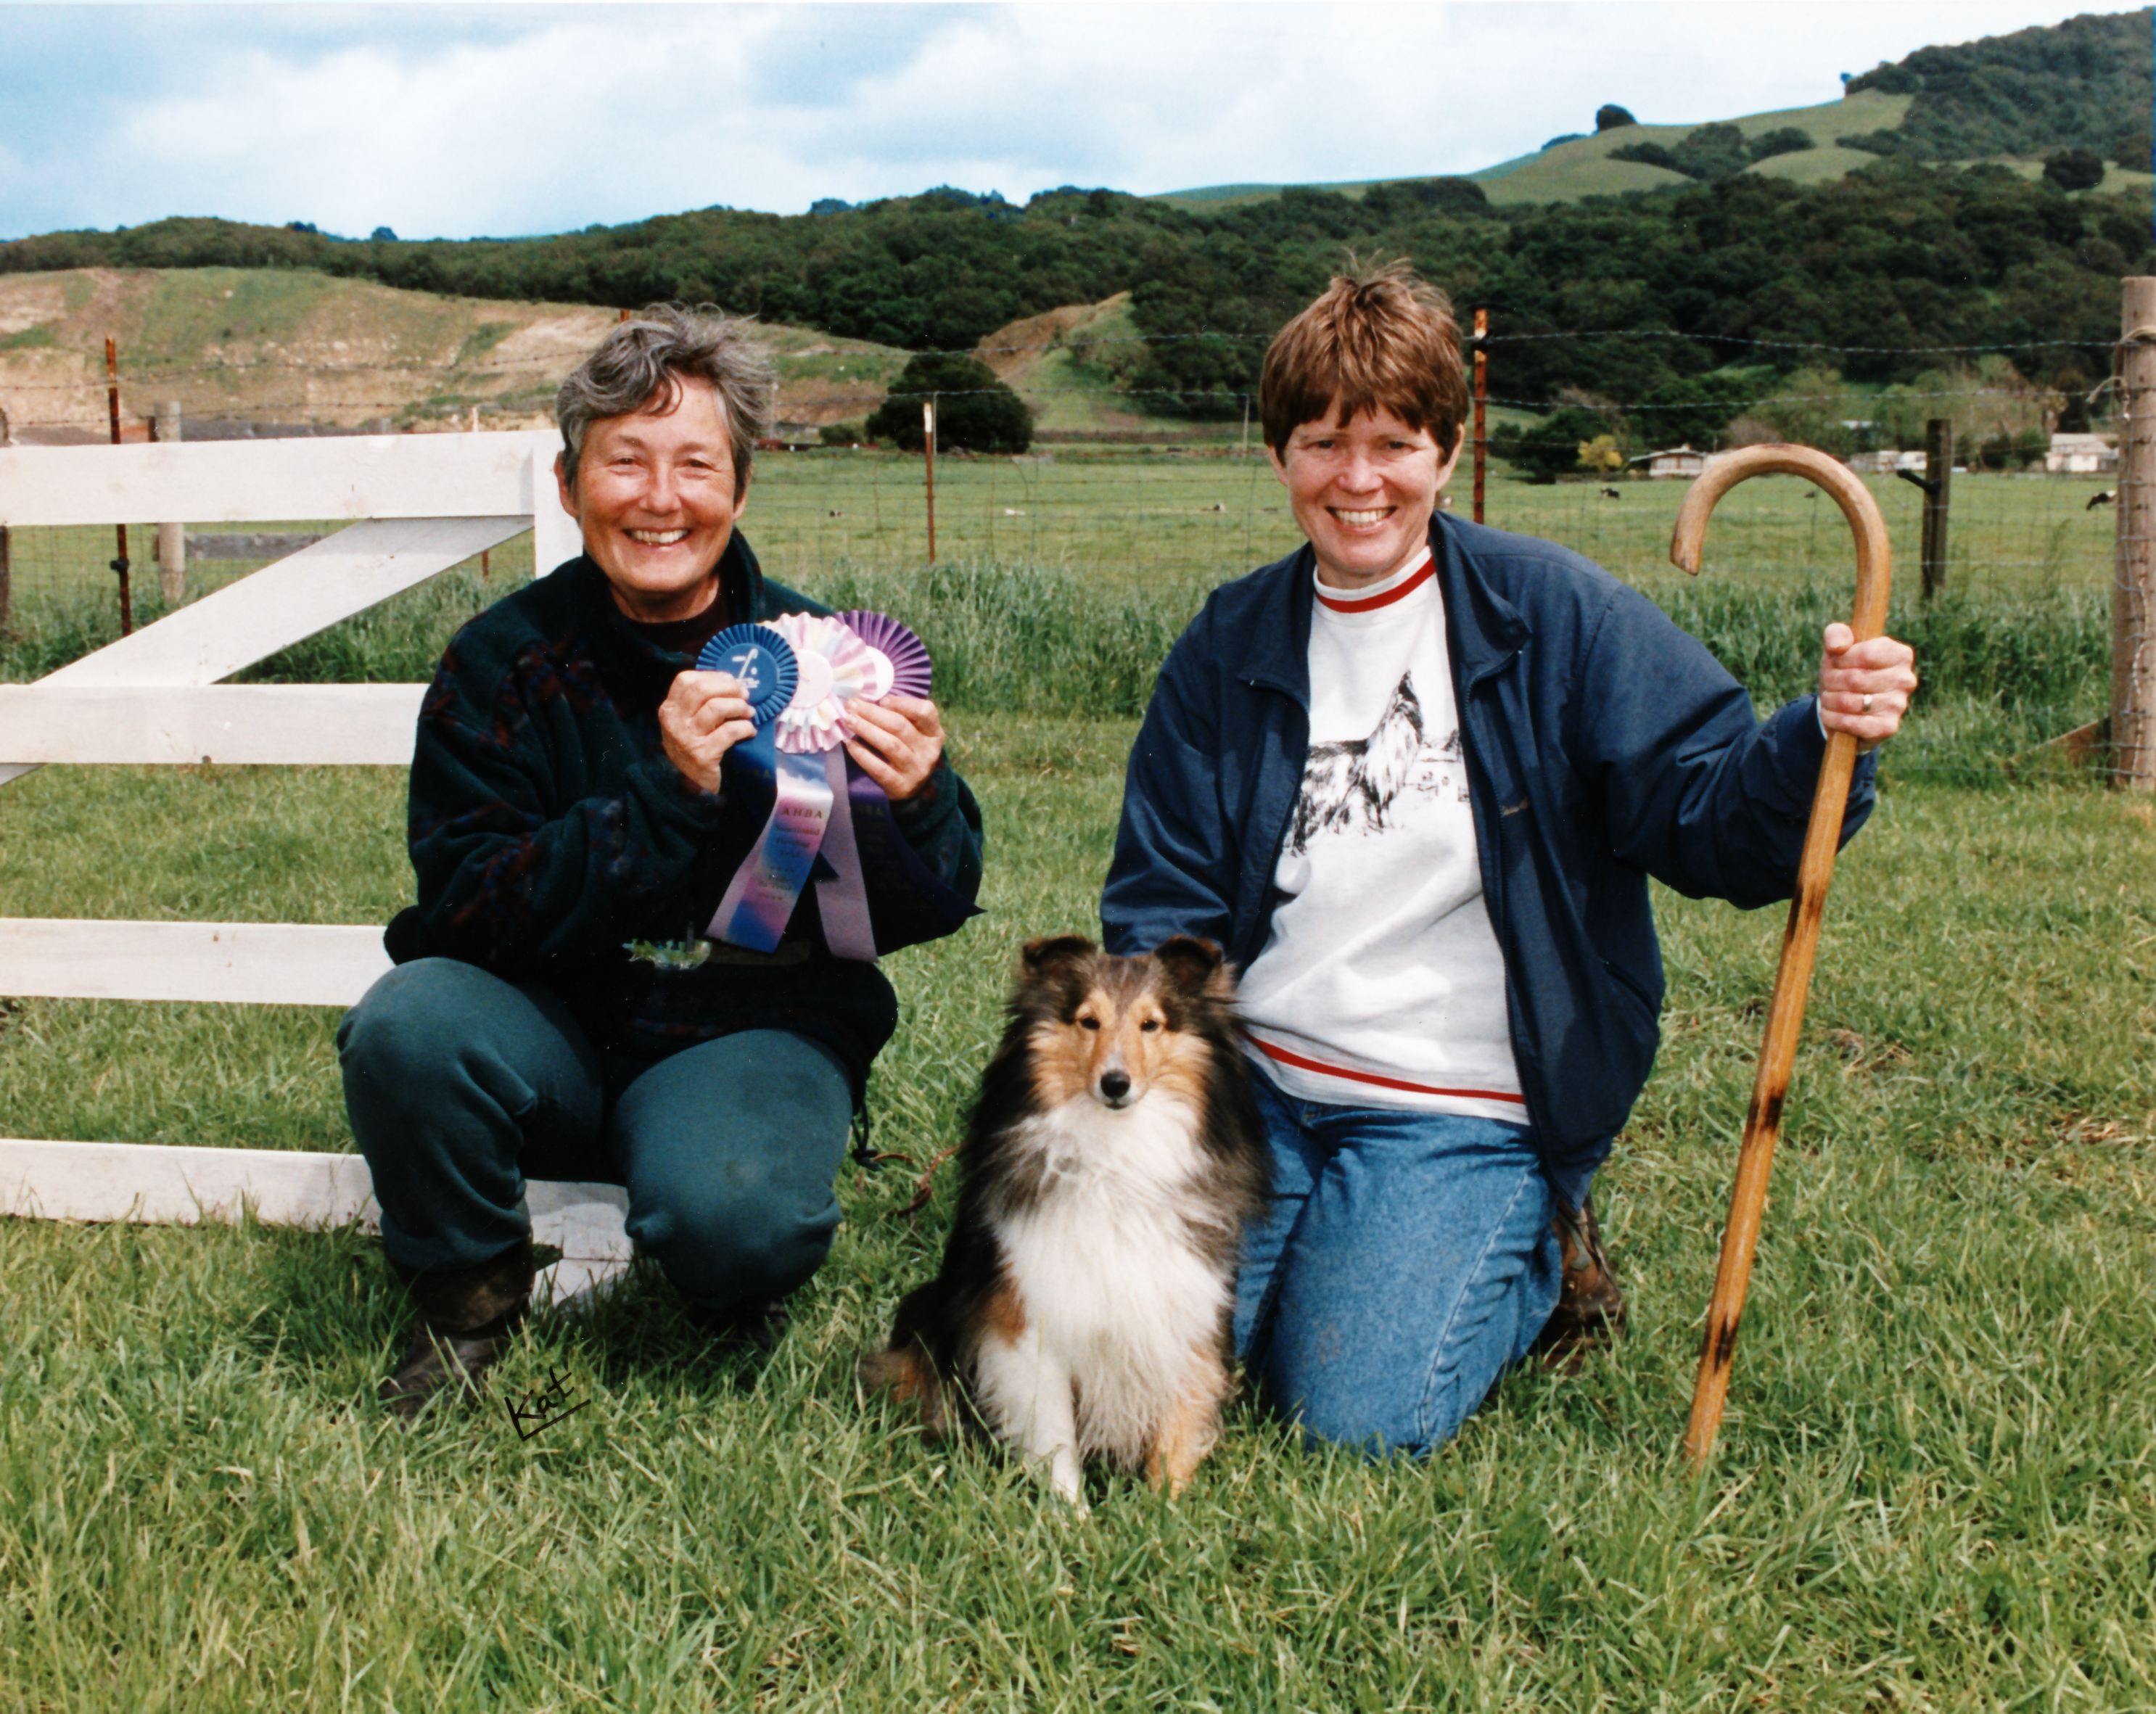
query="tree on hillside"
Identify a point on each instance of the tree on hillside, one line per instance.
(1405, 198)
(1783, 140)
(1691, 412)
(974, 411)
(2075, 84)
(1713, 152)
(1647, 155)
(1564, 444)
(1609, 118)
(2074, 170)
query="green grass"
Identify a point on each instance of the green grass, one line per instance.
(1934, 1489)
(1059, 586)
(1935, 1486)
(1130, 521)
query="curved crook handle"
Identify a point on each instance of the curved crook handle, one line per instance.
(1785, 1008)
(1725, 470)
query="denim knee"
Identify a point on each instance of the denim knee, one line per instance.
(1414, 1413)
(1405, 1263)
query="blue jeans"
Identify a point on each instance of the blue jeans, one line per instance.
(1404, 1261)
(461, 1085)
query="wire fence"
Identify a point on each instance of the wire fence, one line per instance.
(1136, 509)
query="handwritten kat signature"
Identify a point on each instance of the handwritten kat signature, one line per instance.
(544, 1407)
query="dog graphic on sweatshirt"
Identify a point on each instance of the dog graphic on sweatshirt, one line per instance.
(1351, 786)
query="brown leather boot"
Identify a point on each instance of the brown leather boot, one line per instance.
(1590, 1309)
(466, 1317)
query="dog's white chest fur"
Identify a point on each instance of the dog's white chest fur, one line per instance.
(1123, 1310)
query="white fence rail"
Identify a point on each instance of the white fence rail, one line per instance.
(418, 504)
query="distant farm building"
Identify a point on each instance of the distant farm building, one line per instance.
(1673, 461)
(2082, 455)
(1889, 461)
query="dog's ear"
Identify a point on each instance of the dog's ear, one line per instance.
(1194, 966)
(1052, 953)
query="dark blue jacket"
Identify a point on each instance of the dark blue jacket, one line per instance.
(1604, 745)
(548, 828)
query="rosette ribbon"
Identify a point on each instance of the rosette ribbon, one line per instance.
(827, 821)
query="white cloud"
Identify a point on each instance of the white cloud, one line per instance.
(523, 119)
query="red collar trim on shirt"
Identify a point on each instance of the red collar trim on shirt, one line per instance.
(1371, 603)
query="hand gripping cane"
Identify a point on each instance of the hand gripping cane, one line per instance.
(1785, 1010)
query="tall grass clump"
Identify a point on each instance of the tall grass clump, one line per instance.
(1010, 638)
(2042, 651)
(396, 642)
(64, 626)
(1013, 638)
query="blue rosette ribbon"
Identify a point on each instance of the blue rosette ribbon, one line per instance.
(762, 661)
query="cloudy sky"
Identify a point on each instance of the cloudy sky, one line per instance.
(459, 121)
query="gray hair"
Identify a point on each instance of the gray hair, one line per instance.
(645, 359)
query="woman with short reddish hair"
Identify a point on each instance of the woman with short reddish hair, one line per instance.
(1414, 778)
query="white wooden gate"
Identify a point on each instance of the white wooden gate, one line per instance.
(420, 504)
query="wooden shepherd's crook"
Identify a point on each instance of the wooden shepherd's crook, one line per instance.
(1785, 1010)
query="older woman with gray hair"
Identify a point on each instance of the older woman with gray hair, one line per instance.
(553, 1011)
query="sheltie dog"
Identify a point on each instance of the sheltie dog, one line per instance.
(1088, 1286)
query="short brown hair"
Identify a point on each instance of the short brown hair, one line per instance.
(1383, 340)
(646, 359)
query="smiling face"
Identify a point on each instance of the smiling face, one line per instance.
(1362, 492)
(656, 498)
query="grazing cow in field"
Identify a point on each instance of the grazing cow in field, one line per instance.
(1612, 493)
(2108, 496)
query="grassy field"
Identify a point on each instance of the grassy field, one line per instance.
(1935, 1489)
(1059, 585)
(1186, 518)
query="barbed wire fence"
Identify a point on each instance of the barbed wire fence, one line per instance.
(1116, 491)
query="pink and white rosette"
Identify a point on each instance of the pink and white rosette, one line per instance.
(835, 666)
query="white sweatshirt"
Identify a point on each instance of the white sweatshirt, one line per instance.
(1381, 983)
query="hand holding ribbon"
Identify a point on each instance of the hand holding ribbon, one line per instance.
(704, 716)
(896, 742)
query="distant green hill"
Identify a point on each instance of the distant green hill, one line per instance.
(295, 345)
(1620, 263)
(2085, 83)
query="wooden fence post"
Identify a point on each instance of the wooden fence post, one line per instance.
(120, 563)
(1938, 472)
(2133, 593)
(1481, 391)
(171, 538)
(6, 544)
(928, 446)
(7, 579)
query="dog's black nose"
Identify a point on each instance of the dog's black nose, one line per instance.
(1115, 1085)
